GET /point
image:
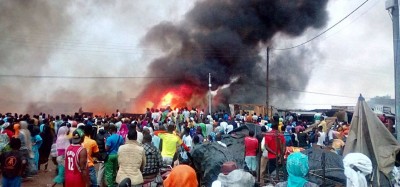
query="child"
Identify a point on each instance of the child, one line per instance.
(12, 164)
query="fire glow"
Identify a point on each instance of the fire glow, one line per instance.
(175, 97)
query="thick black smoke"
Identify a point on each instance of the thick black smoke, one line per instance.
(225, 38)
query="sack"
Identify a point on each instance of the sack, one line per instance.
(158, 179)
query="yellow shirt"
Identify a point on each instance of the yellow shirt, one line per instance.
(91, 147)
(169, 144)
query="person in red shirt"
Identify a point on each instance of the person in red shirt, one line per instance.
(76, 173)
(251, 146)
(275, 144)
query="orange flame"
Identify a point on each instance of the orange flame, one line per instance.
(167, 99)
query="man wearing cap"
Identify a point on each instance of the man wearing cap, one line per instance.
(76, 173)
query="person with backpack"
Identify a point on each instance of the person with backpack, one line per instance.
(12, 164)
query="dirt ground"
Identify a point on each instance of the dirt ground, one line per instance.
(43, 179)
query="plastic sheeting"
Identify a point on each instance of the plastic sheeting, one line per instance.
(209, 157)
(333, 163)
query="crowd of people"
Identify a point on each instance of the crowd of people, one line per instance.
(132, 151)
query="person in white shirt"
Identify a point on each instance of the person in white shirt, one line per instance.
(321, 136)
(187, 140)
(223, 124)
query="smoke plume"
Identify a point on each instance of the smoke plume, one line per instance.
(225, 38)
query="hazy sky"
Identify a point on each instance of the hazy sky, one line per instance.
(103, 39)
(357, 56)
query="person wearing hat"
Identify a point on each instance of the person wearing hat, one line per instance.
(76, 173)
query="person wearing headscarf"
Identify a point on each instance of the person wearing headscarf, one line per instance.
(62, 144)
(37, 142)
(123, 130)
(21, 131)
(182, 176)
(47, 135)
(297, 168)
(5, 137)
(356, 167)
(5, 129)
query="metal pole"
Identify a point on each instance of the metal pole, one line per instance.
(209, 94)
(267, 85)
(393, 6)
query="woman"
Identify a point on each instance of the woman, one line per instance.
(183, 176)
(297, 168)
(62, 144)
(22, 132)
(37, 142)
(47, 135)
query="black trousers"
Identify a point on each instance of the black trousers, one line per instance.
(271, 165)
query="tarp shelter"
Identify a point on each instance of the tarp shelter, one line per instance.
(369, 136)
(209, 157)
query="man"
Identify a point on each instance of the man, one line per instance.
(57, 123)
(92, 151)
(223, 124)
(170, 142)
(76, 173)
(131, 159)
(101, 143)
(251, 146)
(187, 140)
(275, 145)
(302, 138)
(264, 156)
(153, 158)
(12, 164)
(321, 136)
(112, 144)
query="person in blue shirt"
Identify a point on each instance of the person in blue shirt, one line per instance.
(111, 164)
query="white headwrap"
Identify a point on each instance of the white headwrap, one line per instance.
(356, 177)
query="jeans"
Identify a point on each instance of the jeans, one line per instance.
(92, 176)
(11, 182)
(111, 169)
(100, 174)
(251, 162)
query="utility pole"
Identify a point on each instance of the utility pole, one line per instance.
(209, 94)
(393, 7)
(267, 84)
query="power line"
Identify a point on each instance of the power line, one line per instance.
(323, 32)
(149, 77)
(78, 77)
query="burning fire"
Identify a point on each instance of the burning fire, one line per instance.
(167, 99)
(175, 97)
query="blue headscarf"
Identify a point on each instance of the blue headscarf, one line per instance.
(297, 168)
